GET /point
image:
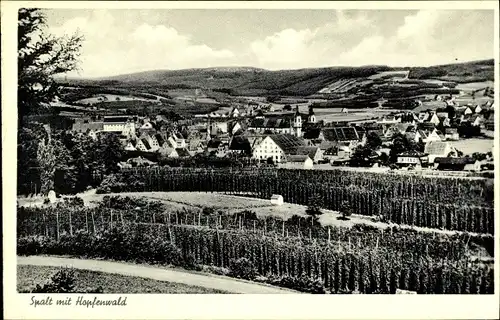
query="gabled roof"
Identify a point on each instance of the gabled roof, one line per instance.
(297, 158)
(436, 147)
(116, 119)
(159, 138)
(411, 153)
(455, 161)
(450, 130)
(341, 134)
(287, 142)
(240, 143)
(145, 142)
(306, 150)
(83, 127)
(312, 133)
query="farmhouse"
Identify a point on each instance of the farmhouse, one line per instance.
(176, 140)
(286, 124)
(436, 149)
(339, 137)
(455, 164)
(411, 158)
(314, 153)
(115, 123)
(303, 161)
(277, 147)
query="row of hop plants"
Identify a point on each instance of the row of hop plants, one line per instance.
(115, 211)
(409, 201)
(338, 271)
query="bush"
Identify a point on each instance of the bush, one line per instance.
(63, 281)
(302, 284)
(346, 210)
(242, 268)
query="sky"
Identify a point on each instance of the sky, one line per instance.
(127, 41)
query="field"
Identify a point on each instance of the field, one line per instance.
(28, 276)
(110, 97)
(469, 146)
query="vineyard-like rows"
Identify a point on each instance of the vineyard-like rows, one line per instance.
(340, 270)
(435, 202)
(53, 222)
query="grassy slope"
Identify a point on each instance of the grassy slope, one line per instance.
(28, 276)
(293, 82)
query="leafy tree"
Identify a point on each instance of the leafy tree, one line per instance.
(40, 57)
(401, 144)
(314, 208)
(110, 150)
(346, 209)
(287, 108)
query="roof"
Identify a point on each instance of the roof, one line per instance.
(411, 153)
(297, 158)
(312, 133)
(436, 147)
(273, 122)
(306, 150)
(146, 143)
(340, 134)
(240, 143)
(214, 143)
(455, 161)
(83, 127)
(287, 142)
(160, 139)
(116, 119)
(450, 130)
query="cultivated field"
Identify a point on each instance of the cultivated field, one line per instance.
(110, 97)
(469, 146)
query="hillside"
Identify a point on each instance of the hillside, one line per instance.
(301, 82)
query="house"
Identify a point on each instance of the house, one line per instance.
(236, 128)
(455, 164)
(302, 161)
(168, 152)
(143, 145)
(313, 152)
(478, 109)
(475, 120)
(176, 140)
(277, 200)
(86, 126)
(411, 158)
(436, 149)
(115, 123)
(240, 145)
(451, 134)
(338, 137)
(130, 146)
(277, 147)
(434, 119)
(285, 124)
(475, 166)
(434, 135)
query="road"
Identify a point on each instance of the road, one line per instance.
(155, 273)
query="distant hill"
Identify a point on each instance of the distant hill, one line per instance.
(300, 82)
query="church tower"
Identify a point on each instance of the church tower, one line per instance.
(312, 117)
(297, 123)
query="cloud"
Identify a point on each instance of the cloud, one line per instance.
(109, 49)
(129, 43)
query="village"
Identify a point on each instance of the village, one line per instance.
(263, 134)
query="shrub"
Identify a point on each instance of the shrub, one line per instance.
(346, 210)
(302, 284)
(63, 281)
(242, 268)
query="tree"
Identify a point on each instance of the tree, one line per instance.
(373, 140)
(314, 208)
(287, 108)
(345, 209)
(40, 57)
(110, 150)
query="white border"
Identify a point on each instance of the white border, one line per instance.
(16, 306)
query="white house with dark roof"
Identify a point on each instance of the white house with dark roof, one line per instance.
(436, 149)
(277, 147)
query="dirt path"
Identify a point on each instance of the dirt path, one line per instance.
(155, 273)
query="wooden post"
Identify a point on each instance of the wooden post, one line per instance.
(70, 223)
(349, 243)
(376, 246)
(176, 218)
(329, 234)
(310, 233)
(86, 221)
(121, 217)
(111, 218)
(46, 225)
(283, 228)
(93, 222)
(57, 225)
(265, 225)
(199, 218)
(254, 225)
(154, 218)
